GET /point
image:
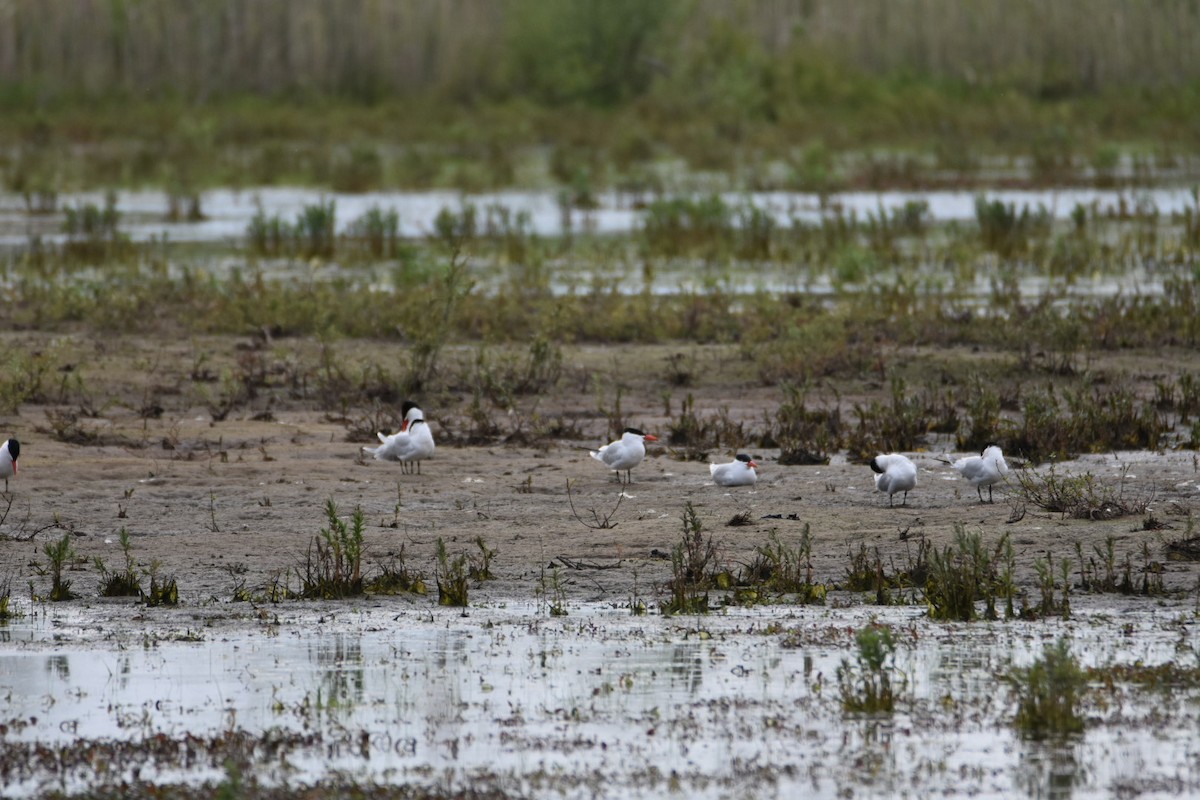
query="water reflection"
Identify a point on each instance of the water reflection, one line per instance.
(635, 700)
(339, 659)
(1050, 770)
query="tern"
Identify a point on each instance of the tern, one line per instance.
(9, 452)
(410, 445)
(625, 453)
(986, 469)
(894, 473)
(742, 471)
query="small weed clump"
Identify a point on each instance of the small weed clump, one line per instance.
(481, 565)
(6, 612)
(867, 574)
(1076, 496)
(871, 685)
(958, 577)
(120, 584)
(1100, 572)
(1050, 603)
(692, 563)
(1049, 694)
(163, 592)
(804, 435)
(783, 571)
(451, 577)
(551, 594)
(59, 553)
(396, 577)
(333, 563)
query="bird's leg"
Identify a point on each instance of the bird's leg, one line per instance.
(979, 491)
(990, 500)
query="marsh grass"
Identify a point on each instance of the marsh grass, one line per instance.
(395, 576)
(693, 568)
(872, 683)
(332, 567)
(867, 573)
(960, 576)
(59, 553)
(1102, 571)
(552, 594)
(162, 591)
(803, 435)
(1050, 694)
(1049, 583)
(902, 424)
(125, 583)
(451, 577)
(481, 563)
(783, 571)
(6, 610)
(92, 233)
(1077, 496)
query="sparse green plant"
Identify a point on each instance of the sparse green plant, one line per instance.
(804, 435)
(692, 562)
(451, 577)
(6, 611)
(866, 573)
(162, 592)
(1050, 694)
(315, 230)
(59, 553)
(125, 583)
(958, 577)
(481, 564)
(1005, 230)
(637, 606)
(396, 577)
(1077, 496)
(551, 594)
(333, 562)
(786, 571)
(1048, 583)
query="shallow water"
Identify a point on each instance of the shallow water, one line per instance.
(600, 703)
(228, 212)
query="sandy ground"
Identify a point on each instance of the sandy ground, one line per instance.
(237, 504)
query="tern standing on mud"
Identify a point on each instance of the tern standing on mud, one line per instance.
(894, 473)
(410, 445)
(9, 452)
(986, 469)
(625, 453)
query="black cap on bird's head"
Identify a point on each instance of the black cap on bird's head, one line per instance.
(408, 406)
(14, 448)
(634, 431)
(875, 466)
(743, 457)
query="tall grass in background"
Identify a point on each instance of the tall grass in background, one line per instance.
(480, 94)
(578, 50)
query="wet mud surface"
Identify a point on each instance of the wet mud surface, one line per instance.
(393, 690)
